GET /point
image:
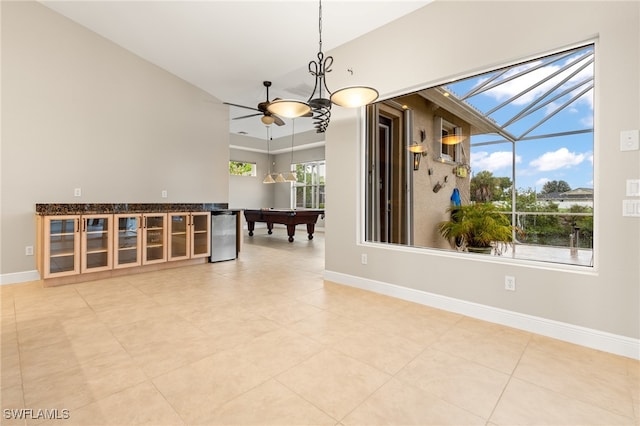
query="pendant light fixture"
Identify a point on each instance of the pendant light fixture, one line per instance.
(268, 178)
(291, 176)
(321, 98)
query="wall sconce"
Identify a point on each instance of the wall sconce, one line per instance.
(418, 150)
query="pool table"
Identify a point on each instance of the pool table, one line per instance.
(287, 217)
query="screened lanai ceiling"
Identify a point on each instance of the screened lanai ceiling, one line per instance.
(524, 101)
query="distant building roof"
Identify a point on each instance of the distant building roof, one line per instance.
(574, 194)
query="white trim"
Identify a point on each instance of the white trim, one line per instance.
(302, 147)
(19, 277)
(595, 339)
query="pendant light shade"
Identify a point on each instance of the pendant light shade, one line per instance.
(416, 148)
(290, 177)
(289, 108)
(452, 139)
(354, 97)
(280, 178)
(268, 179)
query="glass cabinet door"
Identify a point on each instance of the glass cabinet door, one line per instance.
(179, 230)
(96, 242)
(201, 237)
(154, 238)
(62, 246)
(128, 238)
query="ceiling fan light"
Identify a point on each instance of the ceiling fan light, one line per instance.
(354, 96)
(267, 120)
(288, 108)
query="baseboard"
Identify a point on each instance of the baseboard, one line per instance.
(595, 339)
(19, 277)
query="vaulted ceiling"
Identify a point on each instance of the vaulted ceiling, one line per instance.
(228, 48)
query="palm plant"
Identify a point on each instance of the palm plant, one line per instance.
(478, 225)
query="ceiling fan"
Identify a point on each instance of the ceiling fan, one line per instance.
(267, 118)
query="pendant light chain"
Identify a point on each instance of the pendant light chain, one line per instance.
(293, 132)
(320, 27)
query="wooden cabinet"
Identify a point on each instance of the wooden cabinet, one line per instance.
(154, 238)
(74, 247)
(97, 242)
(200, 234)
(189, 235)
(60, 246)
(76, 244)
(127, 236)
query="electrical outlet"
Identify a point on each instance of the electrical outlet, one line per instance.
(77, 192)
(28, 251)
(164, 193)
(363, 258)
(509, 283)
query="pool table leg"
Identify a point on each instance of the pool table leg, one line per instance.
(270, 228)
(251, 226)
(310, 228)
(291, 231)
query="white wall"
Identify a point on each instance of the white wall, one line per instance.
(80, 112)
(421, 50)
(248, 192)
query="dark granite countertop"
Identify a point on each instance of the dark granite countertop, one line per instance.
(107, 208)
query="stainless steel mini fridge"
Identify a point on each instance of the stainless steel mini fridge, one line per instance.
(223, 235)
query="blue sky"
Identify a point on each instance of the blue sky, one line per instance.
(568, 158)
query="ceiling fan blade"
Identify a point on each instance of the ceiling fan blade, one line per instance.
(277, 120)
(241, 106)
(247, 116)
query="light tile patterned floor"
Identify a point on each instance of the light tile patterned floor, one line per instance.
(265, 341)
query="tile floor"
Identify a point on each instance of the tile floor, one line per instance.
(265, 341)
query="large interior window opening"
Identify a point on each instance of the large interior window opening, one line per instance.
(516, 143)
(309, 189)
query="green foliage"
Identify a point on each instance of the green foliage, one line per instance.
(477, 225)
(240, 169)
(486, 187)
(551, 230)
(541, 228)
(555, 186)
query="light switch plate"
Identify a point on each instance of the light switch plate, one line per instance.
(633, 187)
(629, 140)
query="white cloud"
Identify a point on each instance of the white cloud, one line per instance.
(518, 85)
(560, 159)
(540, 182)
(482, 160)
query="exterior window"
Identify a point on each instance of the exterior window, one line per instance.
(239, 168)
(446, 131)
(515, 144)
(308, 191)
